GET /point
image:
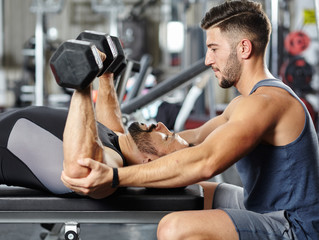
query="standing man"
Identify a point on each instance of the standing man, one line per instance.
(266, 131)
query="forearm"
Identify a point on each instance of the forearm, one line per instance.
(189, 165)
(107, 107)
(80, 138)
(178, 169)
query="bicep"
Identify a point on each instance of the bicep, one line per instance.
(232, 141)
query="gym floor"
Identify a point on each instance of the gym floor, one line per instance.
(88, 232)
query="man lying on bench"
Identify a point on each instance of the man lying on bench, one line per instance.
(33, 155)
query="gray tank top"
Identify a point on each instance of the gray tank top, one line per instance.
(285, 177)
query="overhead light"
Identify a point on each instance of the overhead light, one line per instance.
(175, 36)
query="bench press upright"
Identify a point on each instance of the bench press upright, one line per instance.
(127, 205)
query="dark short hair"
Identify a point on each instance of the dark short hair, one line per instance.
(241, 18)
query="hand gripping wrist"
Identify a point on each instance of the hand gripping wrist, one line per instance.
(116, 180)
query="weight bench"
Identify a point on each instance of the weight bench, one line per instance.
(127, 205)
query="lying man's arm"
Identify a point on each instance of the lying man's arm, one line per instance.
(107, 107)
(81, 139)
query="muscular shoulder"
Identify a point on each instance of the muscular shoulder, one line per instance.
(265, 101)
(271, 111)
(257, 112)
(250, 107)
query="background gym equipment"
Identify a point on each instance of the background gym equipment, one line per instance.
(298, 75)
(3, 83)
(41, 8)
(164, 87)
(296, 42)
(145, 70)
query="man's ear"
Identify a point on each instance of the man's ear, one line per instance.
(245, 48)
(147, 160)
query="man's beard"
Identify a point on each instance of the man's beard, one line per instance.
(142, 138)
(231, 72)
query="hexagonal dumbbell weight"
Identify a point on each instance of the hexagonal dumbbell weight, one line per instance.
(115, 61)
(75, 64)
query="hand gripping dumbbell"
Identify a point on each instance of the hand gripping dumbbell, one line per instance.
(76, 63)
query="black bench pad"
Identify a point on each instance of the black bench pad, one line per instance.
(125, 199)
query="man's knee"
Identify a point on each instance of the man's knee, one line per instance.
(203, 224)
(171, 227)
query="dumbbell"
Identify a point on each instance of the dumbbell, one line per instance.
(76, 63)
(115, 61)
